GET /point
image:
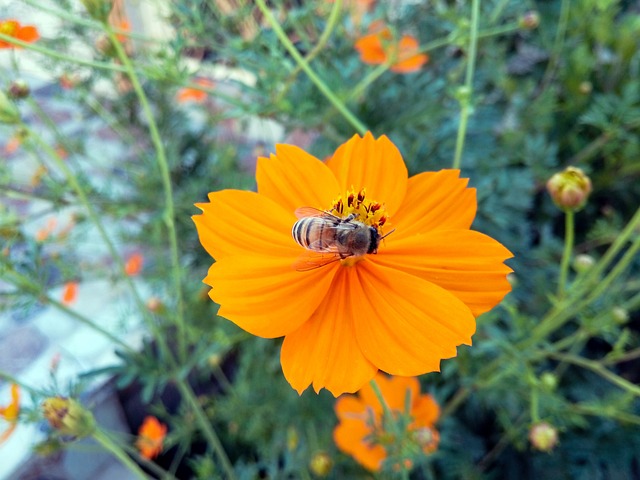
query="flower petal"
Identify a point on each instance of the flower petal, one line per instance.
(293, 178)
(350, 436)
(376, 165)
(435, 200)
(324, 351)
(405, 325)
(236, 222)
(394, 392)
(464, 262)
(425, 411)
(264, 295)
(27, 34)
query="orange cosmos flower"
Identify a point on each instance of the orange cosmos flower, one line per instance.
(380, 46)
(361, 432)
(150, 437)
(400, 309)
(10, 413)
(133, 265)
(70, 293)
(197, 95)
(12, 28)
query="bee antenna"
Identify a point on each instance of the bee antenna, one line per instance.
(385, 236)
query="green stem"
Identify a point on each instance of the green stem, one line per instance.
(163, 164)
(119, 453)
(326, 91)
(569, 230)
(55, 54)
(322, 41)
(206, 428)
(465, 100)
(597, 368)
(557, 44)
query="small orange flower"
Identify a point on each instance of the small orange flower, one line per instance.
(10, 413)
(401, 308)
(380, 46)
(150, 437)
(361, 432)
(12, 28)
(69, 293)
(197, 95)
(12, 145)
(133, 265)
(47, 230)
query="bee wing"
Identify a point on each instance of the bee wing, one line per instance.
(304, 212)
(312, 260)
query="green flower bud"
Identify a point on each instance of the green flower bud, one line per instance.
(68, 417)
(569, 189)
(543, 436)
(583, 263)
(529, 20)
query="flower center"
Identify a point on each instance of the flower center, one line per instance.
(364, 210)
(8, 27)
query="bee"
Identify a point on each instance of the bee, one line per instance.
(339, 238)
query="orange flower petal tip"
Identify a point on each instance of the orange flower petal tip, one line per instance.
(358, 266)
(69, 293)
(380, 46)
(197, 95)
(133, 265)
(151, 437)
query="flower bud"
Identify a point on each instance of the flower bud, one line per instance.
(582, 263)
(620, 315)
(529, 20)
(8, 111)
(18, 89)
(68, 417)
(543, 436)
(427, 439)
(549, 381)
(569, 189)
(321, 464)
(585, 87)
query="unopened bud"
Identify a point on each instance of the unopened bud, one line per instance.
(583, 263)
(321, 464)
(18, 90)
(427, 439)
(155, 305)
(68, 417)
(529, 20)
(292, 439)
(9, 113)
(569, 189)
(549, 381)
(543, 436)
(620, 315)
(585, 87)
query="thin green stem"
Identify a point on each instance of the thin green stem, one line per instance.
(112, 447)
(467, 92)
(558, 43)
(206, 428)
(318, 82)
(163, 165)
(55, 54)
(569, 231)
(597, 368)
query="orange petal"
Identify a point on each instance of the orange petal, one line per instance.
(394, 391)
(264, 295)
(409, 59)
(435, 200)
(293, 178)
(323, 351)
(405, 325)
(28, 34)
(425, 411)
(376, 165)
(237, 222)
(4, 436)
(350, 406)
(350, 436)
(371, 49)
(464, 262)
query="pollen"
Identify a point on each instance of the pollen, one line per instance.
(8, 27)
(367, 211)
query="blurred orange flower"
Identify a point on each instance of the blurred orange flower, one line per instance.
(133, 265)
(150, 437)
(361, 432)
(12, 28)
(189, 94)
(400, 309)
(69, 293)
(47, 230)
(10, 413)
(380, 46)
